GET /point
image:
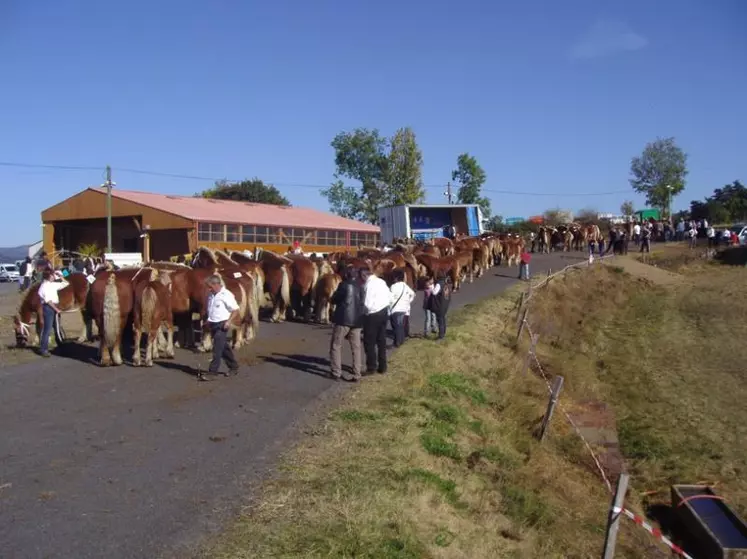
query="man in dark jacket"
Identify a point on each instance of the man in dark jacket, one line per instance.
(348, 324)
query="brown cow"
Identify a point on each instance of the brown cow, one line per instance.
(277, 282)
(543, 239)
(152, 308)
(444, 245)
(305, 274)
(248, 264)
(243, 285)
(437, 267)
(512, 247)
(72, 297)
(325, 288)
(112, 299)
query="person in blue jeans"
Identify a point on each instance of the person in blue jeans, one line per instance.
(524, 265)
(50, 298)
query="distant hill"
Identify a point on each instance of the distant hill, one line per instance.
(11, 254)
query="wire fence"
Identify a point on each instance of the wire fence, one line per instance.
(554, 387)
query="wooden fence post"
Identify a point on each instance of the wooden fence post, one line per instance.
(613, 520)
(522, 324)
(521, 308)
(557, 386)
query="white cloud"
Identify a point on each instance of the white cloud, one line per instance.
(605, 38)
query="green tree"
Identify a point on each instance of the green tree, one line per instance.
(345, 201)
(404, 178)
(389, 170)
(627, 208)
(726, 204)
(495, 223)
(470, 177)
(717, 212)
(556, 216)
(733, 197)
(587, 216)
(253, 190)
(659, 172)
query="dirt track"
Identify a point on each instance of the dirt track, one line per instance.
(127, 462)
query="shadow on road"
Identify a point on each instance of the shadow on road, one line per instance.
(176, 366)
(88, 354)
(304, 363)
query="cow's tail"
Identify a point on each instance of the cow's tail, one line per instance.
(285, 293)
(259, 285)
(111, 312)
(253, 310)
(314, 279)
(148, 304)
(242, 302)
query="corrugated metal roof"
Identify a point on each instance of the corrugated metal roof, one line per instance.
(228, 211)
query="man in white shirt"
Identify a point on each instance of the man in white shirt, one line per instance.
(222, 310)
(376, 300)
(711, 234)
(637, 233)
(50, 299)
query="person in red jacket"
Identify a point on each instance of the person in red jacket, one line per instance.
(524, 265)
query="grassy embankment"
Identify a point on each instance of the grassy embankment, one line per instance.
(437, 459)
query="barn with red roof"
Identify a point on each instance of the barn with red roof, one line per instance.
(167, 225)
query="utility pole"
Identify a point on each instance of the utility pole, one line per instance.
(108, 185)
(448, 194)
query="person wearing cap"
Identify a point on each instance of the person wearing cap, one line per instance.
(296, 248)
(52, 283)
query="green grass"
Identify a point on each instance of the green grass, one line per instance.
(439, 459)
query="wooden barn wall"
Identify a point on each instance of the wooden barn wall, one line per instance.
(90, 204)
(168, 243)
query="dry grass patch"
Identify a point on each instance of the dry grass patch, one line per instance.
(436, 459)
(669, 360)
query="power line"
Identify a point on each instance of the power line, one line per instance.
(293, 185)
(61, 167)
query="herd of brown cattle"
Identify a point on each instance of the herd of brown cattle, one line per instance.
(156, 298)
(570, 237)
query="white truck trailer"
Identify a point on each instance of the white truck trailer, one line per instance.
(425, 221)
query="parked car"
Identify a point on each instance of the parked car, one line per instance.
(8, 272)
(741, 231)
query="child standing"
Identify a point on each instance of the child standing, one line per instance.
(524, 265)
(430, 316)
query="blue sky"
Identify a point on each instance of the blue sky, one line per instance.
(551, 97)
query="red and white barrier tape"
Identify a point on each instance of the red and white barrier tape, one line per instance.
(568, 417)
(655, 532)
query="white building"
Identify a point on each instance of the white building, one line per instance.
(35, 249)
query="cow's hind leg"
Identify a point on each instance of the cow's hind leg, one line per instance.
(117, 349)
(136, 351)
(150, 347)
(105, 357)
(170, 340)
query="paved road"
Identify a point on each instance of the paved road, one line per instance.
(136, 463)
